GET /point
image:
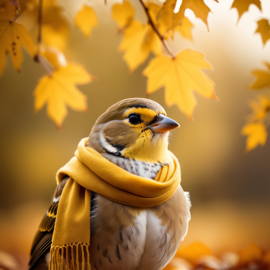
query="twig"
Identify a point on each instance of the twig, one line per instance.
(39, 37)
(150, 21)
(37, 57)
(42, 61)
(17, 16)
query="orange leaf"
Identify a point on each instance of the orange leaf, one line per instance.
(263, 29)
(12, 37)
(59, 90)
(193, 252)
(250, 254)
(180, 76)
(243, 5)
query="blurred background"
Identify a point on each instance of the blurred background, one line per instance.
(229, 189)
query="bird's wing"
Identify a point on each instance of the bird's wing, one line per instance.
(43, 238)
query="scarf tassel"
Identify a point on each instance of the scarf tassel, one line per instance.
(75, 256)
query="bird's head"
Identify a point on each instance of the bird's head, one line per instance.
(134, 128)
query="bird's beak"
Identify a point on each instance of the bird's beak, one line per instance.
(163, 124)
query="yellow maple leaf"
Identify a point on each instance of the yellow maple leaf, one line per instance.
(123, 14)
(199, 8)
(180, 76)
(262, 78)
(193, 252)
(263, 29)
(256, 133)
(12, 37)
(55, 27)
(86, 19)
(185, 29)
(260, 108)
(243, 5)
(166, 23)
(138, 42)
(59, 91)
(7, 11)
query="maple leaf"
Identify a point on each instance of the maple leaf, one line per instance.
(260, 108)
(263, 29)
(179, 76)
(165, 23)
(185, 29)
(59, 91)
(243, 5)
(7, 11)
(55, 28)
(138, 42)
(199, 8)
(262, 78)
(12, 37)
(86, 19)
(256, 133)
(123, 14)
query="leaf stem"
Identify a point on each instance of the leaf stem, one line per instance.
(17, 16)
(39, 37)
(150, 21)
(42, 61)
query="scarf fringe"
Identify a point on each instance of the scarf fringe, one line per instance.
(74, 256)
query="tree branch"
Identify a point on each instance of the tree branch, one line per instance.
(37, 57)
(39, 37)
(150, 21)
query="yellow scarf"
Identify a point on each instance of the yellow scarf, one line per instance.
(90, 171)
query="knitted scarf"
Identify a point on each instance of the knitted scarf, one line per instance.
(90, 171)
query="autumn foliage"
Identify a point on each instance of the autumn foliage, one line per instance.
(180, 74)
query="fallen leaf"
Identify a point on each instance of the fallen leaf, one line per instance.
(262, 78)
(253, 253)
(138, 42)
(86, 19)
(263, 29)
(15, 3)
(12, 37)
(123, 14)
(193, 252)
(257, 134)
(178, 264)
(180, 76)
(59, 91)
(243, 5)
(266, 258)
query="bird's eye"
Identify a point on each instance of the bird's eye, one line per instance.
(134, 119)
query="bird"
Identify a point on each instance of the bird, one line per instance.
(132, 134)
